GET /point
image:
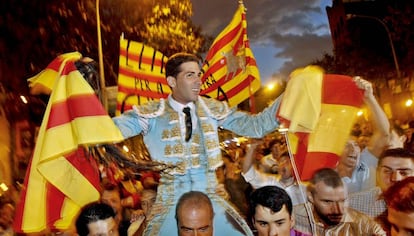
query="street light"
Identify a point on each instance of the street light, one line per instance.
(394, 55)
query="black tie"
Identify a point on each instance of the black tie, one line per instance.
(188, 124)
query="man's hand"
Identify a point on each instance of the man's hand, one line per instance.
(365, 85)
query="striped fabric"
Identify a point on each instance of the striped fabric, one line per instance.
(141, 75)
(230, 68)
(50, 74)
(62, 177)
(319, 111)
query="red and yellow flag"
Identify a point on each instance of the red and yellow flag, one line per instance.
(230, 70)
(141, 75)
(62, 176)
(319, 110)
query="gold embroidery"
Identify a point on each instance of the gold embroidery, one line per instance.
(196, 138)
(195, 161)
(195, 149)
(175, 131)
(165, 134)
(211, 144)
(207, 127)
(178, 148)
(173, 116)
(168, 150)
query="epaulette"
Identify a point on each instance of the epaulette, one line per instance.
(150, 109)
(214, 108)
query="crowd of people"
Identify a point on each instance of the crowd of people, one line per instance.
(246, 186)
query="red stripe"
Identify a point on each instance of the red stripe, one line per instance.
(74, 107)
(143, 93)
(226, 39)
(132, 56)
(239, 87)
(250, 61)
(132, 75)
(54, 203)
(55, 64)
(55, 198)
(240, 40)
(317, 160)
(69, 68)
(86, 165)
(20, 207)
(126, 107)
(341, 90)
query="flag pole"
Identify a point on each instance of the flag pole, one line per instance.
(284, 132)
(100, 55)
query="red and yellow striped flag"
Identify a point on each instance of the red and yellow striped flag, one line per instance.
(319, 110)
(45, 80)
(230, 70)
(62, 177)
(141, 75)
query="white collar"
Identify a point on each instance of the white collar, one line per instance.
(178, 106)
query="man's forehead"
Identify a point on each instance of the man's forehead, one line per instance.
(321, 188)
(400, 161)
(190, 65)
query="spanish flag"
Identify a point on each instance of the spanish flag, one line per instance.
(230, 70)
(141, 75)
(62, 176)
(319, 110)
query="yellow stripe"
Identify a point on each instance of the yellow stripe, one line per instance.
(332, 130)
(84, 130)
(48, 77)
(301, 103)
(69, 180)
(129, 82)
(35, 220)
(71, 85)
(69, 212)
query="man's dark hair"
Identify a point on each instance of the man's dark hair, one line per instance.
(400, 196)
(172, 67)
(91, 213)
(396, 152)
(271, 197)
(326, 175)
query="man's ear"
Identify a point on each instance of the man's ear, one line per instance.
(310, 196)
(172, 82)
(292, 220)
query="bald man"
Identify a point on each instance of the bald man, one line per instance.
(194, 214)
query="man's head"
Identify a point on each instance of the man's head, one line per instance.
(394, 165)
(148, 198)
(363, 141)
(285, 166)
(194, 214)
(350, 155)
(327, 193)
(111, 195)
(183, 75)
(268, 164)
(97, 219)
(400, 203)
(270, 209)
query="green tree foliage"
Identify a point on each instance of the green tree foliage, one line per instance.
(34, 32)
